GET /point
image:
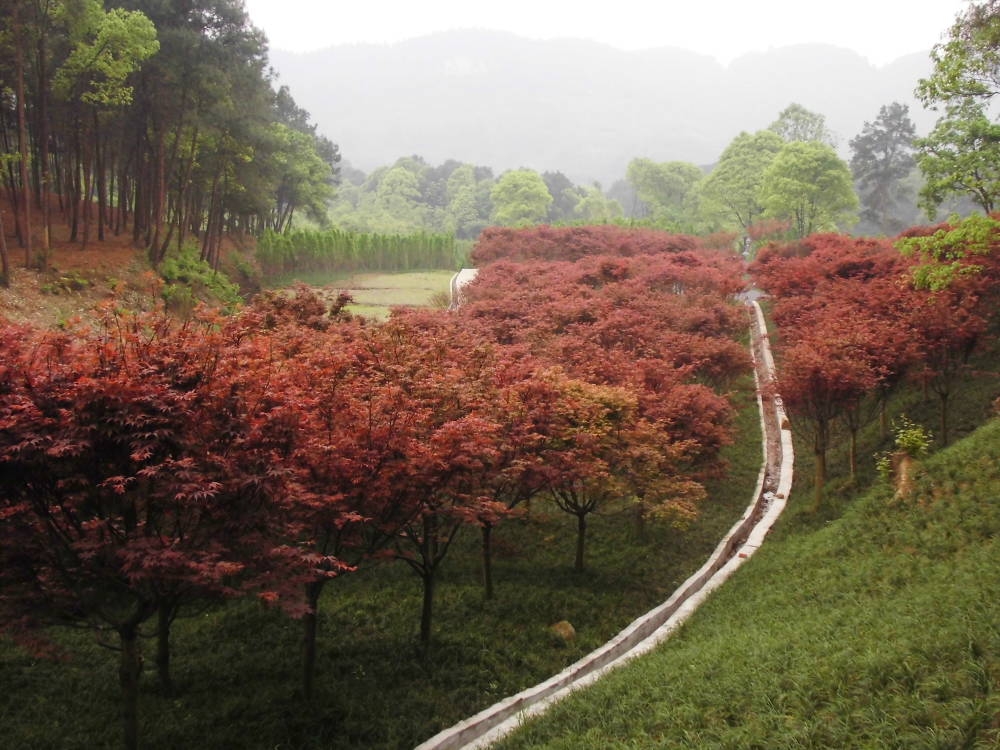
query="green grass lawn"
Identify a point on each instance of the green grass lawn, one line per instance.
(375, 294)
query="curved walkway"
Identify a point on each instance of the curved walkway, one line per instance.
(743, 539)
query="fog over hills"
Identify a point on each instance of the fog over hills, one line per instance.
(580, 107)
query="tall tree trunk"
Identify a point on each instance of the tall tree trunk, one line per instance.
(819, 479)
(159, 193)
(310, 626)
(4, 259)
(427, 610)
(22, 137)
(943, 395)
(428, 571)
(581, 536)
(129, 669)
(73, 185)
(183, 210)
(487, 546)
(164, 618)
(819, 455)
(88, 192)
(853, 454)
(639, 519)
(43, 143)
(211, 220)
(102, 185)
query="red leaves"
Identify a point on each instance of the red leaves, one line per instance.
(274, 451)
(573, 243)
(110, 451)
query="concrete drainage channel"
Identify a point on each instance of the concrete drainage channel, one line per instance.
(743, 539)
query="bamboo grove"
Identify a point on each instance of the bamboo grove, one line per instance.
(338, 251)
(155, 117)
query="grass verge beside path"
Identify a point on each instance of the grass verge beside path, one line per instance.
(237, 668)
(880, 629)
(376, 293)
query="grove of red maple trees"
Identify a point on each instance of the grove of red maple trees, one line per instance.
(852, 325)
(150, 463)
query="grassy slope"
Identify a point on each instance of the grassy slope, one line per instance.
(376, 293)
(877, 628)
(237, 668)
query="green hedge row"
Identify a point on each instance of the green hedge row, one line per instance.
(337, 251)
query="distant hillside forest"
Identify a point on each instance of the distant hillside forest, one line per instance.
(157, 118)
(577, 106)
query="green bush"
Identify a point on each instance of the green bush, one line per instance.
(188, 280)
(912, 439)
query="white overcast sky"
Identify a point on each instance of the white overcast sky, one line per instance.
(881, 30)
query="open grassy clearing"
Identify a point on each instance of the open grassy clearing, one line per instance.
(375, 294)
(871, 624)
(237, 668)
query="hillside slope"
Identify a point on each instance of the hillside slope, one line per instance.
(878, 630)
(75, 281)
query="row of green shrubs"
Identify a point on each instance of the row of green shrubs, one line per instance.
(339, 251)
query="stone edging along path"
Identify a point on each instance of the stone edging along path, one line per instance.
(643, 634)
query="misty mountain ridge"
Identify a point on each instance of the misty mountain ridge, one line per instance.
(581, 107)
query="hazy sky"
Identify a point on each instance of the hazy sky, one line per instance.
(881, 30)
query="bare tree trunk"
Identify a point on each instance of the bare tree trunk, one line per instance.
(88, 190)
(43, 145)
(22, 138)
(129, 669)
(102, 187)
(427, 610)
(164, 617)
(4, 259)
(639, 519)
(73, 186)
(581, 536)
(819, 477)
(853, 454)
(487, 546)
(310, 626)
(943, 395)
(428, 571)
(158, 200)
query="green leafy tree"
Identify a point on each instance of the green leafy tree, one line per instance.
(519, 198)
(882, 157)
(399, 190)
(961, 156)
(669, 190)
(302, 177)
(14, 39)
(565, 197)
(597, 208)
(107, 48)
(93, 82)
(464, 205)
(810, 186)
(796, 123)
(731, 191)
(952, 251)
(967, 64)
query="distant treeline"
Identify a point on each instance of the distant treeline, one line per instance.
(336, 251)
